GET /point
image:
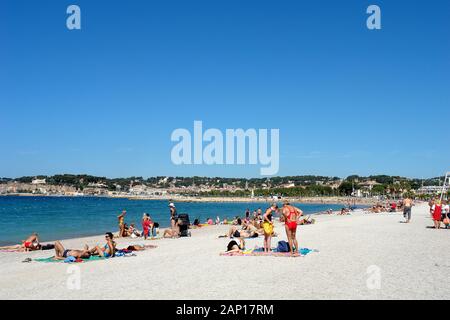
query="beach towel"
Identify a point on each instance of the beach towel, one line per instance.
(50, 259)
(260, 252)
(119, 253)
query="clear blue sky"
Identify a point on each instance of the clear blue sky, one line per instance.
(104, 100)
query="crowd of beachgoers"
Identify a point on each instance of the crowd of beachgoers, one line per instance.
(251, 224)
(439, 210)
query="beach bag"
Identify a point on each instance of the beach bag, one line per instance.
(283, 246)
(48, 247)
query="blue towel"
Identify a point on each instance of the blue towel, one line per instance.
(70, 259)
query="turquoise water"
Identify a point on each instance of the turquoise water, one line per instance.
(69, 217)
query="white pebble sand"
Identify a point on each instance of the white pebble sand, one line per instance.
(413, 261)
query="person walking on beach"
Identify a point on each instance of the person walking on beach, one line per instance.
(291, 215)
(121, 219)
(268, 227)
(407, 205)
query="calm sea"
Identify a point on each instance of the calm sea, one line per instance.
(69, 217)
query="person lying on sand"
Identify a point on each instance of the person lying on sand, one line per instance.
(173, 232)
(108, 250)
(135, 247)
(234, 247)
(378, 208)
(250, 227)
(29, 244)
(234, 232)
(307, 220)
(62, 253)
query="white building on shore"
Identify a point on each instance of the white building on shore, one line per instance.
(38, 181)
(431, 190)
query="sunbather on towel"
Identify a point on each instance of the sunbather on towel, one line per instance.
(173, 232)
(108, 250)
(62, 253)
(234, 247)
(29, 244)
(234, 232)
(250, 227)
(307, 220)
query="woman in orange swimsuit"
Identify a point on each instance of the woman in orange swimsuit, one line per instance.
(291, 215)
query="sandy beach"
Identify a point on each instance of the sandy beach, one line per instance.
(412, 262)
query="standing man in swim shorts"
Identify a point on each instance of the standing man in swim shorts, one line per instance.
(407, 204)
(291, 215)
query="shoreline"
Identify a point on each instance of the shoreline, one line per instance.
(178, 198)
(161, 230)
